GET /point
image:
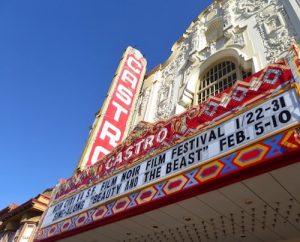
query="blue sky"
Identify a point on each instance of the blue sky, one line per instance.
(57, 60)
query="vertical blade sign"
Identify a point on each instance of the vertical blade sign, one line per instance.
(115, 115)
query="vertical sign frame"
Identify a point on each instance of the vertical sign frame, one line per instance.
(112, 123)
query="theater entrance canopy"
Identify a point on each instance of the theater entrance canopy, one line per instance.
(226, 170)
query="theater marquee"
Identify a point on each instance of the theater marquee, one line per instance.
(272, 116)
(249, 128)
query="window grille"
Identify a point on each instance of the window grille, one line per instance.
(218, 78)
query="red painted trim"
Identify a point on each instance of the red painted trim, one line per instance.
(255, 170)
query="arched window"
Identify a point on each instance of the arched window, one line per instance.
(219, 77)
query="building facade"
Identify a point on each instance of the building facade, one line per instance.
(211, 147)
(19, 222)
(225, 43)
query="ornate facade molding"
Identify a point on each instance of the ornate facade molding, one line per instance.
(259, 29)
(144, 97)
(167, 91)
(275, 29)
(235, 37)
(248, 8)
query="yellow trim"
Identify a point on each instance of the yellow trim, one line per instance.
(254, 160)
(216, 163)
(297, 88)
(170, 191)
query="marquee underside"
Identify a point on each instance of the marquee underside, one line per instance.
(262, 208)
